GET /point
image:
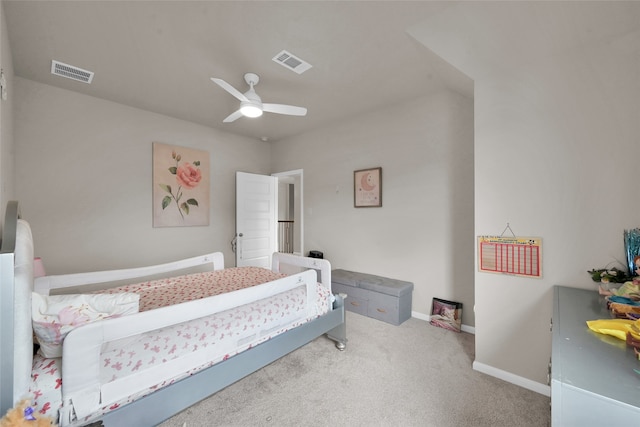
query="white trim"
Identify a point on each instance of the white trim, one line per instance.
(512, 378)
(420, 316)
(425, 317)
(468, 329)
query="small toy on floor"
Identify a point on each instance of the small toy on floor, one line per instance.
(23, 415)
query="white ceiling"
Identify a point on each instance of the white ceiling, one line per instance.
(159, 56)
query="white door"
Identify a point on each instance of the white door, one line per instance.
(256, 219)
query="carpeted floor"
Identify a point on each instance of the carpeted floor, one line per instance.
(414, 374)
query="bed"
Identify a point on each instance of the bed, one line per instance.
(141, 365)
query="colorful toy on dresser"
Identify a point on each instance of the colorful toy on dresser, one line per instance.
(623, 303)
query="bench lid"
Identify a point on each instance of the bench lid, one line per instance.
(383, 285)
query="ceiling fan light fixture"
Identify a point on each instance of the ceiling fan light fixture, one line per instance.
(251, 104)
(249, 110)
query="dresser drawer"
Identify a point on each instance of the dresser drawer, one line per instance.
(357, 305)
(383, 307)
(357, 299)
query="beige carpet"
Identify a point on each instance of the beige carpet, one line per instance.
(414, 374)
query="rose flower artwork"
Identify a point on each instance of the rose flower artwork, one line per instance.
(181, 186)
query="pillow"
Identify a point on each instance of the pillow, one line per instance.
(54, 316)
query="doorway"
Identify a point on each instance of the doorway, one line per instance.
(290, 211)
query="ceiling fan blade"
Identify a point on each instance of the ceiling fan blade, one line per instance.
(233, 117)
(232, 90)
(290, 110)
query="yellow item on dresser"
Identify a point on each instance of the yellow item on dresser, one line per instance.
(615, 327)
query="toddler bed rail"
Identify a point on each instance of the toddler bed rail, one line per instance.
(86, 391)
(82, 388)
(110, 278)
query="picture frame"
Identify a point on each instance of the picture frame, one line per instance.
(367, 188)
(446, 314)
(180, 186)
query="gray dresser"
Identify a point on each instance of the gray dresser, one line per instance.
(593, 382)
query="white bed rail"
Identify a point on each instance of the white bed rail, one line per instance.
(81, 361)
(280, 262)
(44, 285)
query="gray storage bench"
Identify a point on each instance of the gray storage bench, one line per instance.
(378, 297)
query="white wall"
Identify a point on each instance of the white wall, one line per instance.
(84, 170)
(423, 233)
(557, 121)
(84, 179)
(7, 181)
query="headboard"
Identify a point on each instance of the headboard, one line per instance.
(16, 285)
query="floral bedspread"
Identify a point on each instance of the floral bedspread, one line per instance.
(175, 290)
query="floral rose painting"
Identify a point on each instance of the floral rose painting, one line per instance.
(180, 186)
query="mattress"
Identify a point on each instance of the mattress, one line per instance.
(220, 336)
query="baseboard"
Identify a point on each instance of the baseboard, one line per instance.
(420, 316)
(513, 379)
(425, 317)
(495, 372)
(468, 329)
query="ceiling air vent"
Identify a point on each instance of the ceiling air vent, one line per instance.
(290, 61)
(71, 72)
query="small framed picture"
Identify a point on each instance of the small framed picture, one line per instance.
(367, 188)
(446, 314)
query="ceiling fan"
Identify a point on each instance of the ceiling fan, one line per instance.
(250, 103)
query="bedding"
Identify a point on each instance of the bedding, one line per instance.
(231, 332)
(141, 368)
(54, 316)
(176, 290)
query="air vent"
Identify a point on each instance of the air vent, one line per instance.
(290, 61)
(71, 72)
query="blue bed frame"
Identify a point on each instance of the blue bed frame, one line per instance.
(168, 401)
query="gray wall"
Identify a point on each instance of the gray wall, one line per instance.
(423, 232)
(556, 104)
(84, 180)
(84, 169)
(7, 158)
(557, 121)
